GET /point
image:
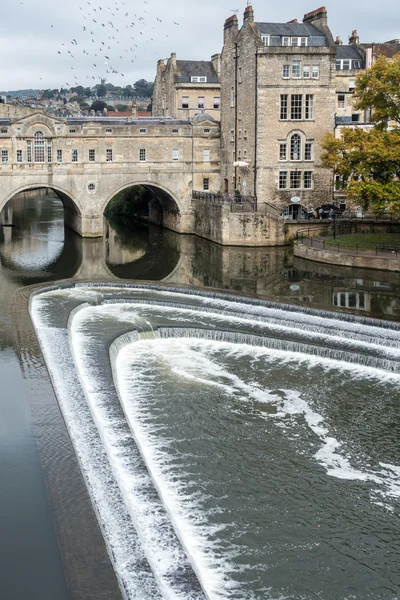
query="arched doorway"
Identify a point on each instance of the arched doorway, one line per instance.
(294, 212)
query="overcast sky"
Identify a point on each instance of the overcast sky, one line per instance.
(33, 32)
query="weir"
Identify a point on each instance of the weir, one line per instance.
(150, 365)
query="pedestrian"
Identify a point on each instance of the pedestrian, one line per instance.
(320, 212)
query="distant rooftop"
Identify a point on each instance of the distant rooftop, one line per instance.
(196, 68)
(348, 51)
(278, 30)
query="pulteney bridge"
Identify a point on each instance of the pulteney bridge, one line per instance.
(87, 161)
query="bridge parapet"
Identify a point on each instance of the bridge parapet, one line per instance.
(87, 161)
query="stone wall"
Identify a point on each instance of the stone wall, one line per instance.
(218, 223)
(385, 263)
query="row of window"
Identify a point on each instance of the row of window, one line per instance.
(38, 155)
(296, 107)
(296, 72)
(344, 64)
(295, 180)
(294, 149)
(287, 41)
(201, 102)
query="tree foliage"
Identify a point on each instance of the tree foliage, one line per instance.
(367, 161)
(98, 106)
(379, 89)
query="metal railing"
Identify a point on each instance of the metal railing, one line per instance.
(239, 203)
(327, 241)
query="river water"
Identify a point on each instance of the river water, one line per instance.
(249, 451)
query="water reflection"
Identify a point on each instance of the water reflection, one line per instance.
(39, 248)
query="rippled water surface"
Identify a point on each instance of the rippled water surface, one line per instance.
(232, 449)
(257, 441)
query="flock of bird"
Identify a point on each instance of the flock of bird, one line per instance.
(102, 40)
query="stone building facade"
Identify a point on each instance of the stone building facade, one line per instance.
(278, 99)
(186, 88)
(88, 160)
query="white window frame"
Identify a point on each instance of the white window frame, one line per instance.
(309, 107)
(295, 176)
(284, 107)
(109, 155)
(315, 72)
(201, 102)
(206, 184)
(59, 155)
(308, 150)
(4, 157)
(206, 155)
(92, 155)
(19, 156)
(286, 71)
(175, 154)
(306, 71)
(341, 101)
(198, 79)
(282, 155)
(283, 180)
(295, 146)
(142, 155)
(217, 102)
(185, 102)
(265, 39)
(285, 40)
(296, 69)
(74, 156)
(310, 179)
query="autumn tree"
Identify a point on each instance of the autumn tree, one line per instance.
(368, 161)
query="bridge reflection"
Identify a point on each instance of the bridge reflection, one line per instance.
(41, 249)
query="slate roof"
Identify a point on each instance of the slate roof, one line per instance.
(289, 29)
(386, 49)
(348, 52)
(193, 68)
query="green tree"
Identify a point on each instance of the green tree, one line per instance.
(368, 161)
(98, 106)
(379, 89)
(101, 91)
(143, 88)
(122, 108)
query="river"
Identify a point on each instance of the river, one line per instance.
(320, 540)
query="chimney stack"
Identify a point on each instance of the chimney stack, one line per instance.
(338, 41)
(353, 38)
(134, 109)
(248, 16)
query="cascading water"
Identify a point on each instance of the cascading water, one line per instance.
(232, 448)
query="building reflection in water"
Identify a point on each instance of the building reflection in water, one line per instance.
(39, 248)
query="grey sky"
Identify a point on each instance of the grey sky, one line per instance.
(32, 33)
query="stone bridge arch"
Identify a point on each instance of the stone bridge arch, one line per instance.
(72, 208)
(167, 208)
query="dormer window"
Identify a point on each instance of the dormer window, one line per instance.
(265, 39)
(294, 41)
(343, 64)
(198, 79)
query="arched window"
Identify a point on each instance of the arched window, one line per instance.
(38, 147)
(295, 147)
